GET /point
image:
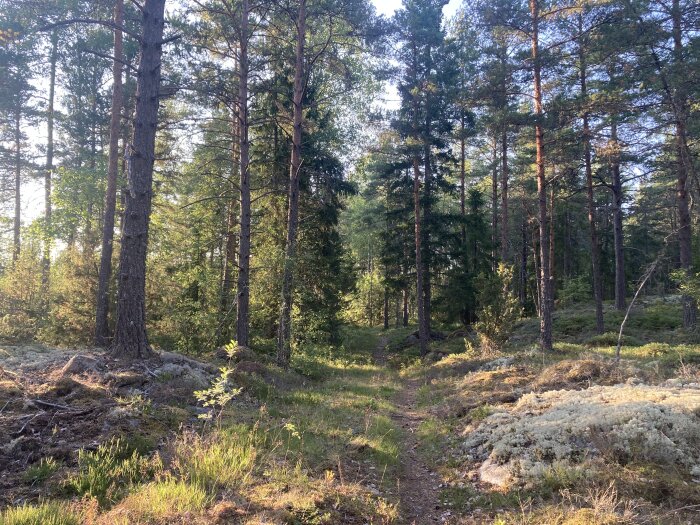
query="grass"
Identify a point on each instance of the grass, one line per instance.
(221, 460)
(156, 502)
(107, 473)
(48, 513)
(41, 471)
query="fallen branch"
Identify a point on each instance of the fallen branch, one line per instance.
(52, 405)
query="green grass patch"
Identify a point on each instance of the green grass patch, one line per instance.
(48, 513)
(108, 472)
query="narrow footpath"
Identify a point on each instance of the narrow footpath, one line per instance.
(417, 483)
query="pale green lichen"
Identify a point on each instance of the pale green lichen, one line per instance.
(623, 423)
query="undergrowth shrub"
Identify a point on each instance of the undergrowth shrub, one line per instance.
(109, 471)
(500, 308)
(610, 339)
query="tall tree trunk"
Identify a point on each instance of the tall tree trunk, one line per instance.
(463, 177)
(285, 330)
(593, 230)
(386, 308)
(48, 170)
(130, 338)
(17, 224)
(102, 332)
(422, 327)
(243, 295)
(545, 276)
(685, 165)
(229, 263)
(494, 206)
(552, 260)
(523, 264)
(427, 225)
(404, 320)
(505, 241)
(620, 286)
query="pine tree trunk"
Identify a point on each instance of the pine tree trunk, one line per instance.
(17, 224)
(102, 332)
(494, 206)
(545, 275)
(130, 338)
(463, 178)
(685, 165)
(593, 230)
(620, 285)
(386, 308)
(422, 327)
(505, 241)
(243, 294)
(285, 330)
(48, 170)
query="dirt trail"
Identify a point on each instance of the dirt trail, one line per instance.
(417, 484)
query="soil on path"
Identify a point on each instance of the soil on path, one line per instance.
(417, 483)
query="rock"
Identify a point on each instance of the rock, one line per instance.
(179, 359)
(80, 364)
(130, 378)
(495, 474)
(497, 364)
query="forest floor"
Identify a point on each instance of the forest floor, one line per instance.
(365, 433)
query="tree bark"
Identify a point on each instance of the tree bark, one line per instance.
(102, 331)
(463, 177)
(620, 285)
(684, 167)
(243, 294)
(48, 170)
(284, 331)
(545, 275)
(494, 206)
(130, 340)
(505, 240)
(593, 230)
(17, 224)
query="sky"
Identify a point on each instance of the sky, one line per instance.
(387, 7)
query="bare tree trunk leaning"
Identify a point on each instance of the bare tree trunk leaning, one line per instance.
(102, 332)
(130, 338)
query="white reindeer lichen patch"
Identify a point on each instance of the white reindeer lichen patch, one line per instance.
(622, 423)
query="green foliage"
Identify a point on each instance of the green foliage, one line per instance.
(499, 308)
(575, 290)
(73, 300)
(107, 472)
(219, 394)
(21, 303)
(49, 513)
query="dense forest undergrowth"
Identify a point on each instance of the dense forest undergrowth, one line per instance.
(365, 432)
